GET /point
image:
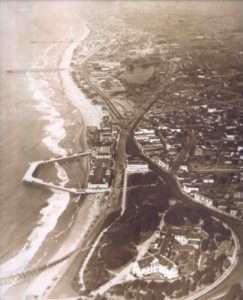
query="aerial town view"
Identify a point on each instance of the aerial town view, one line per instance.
(121, 150)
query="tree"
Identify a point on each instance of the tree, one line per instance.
(149, 296)
(115, 257)
(208, 278)
(235, 293)
(208, 245)
(158, 295)
(99, 297)
(174, 217)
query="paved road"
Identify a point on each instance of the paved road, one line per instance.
(184, 152)
(235, 224)
(124, 193)
(222, 278)
(172, 184)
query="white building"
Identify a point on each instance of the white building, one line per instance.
(208, 180)
(230, 137)
(142, 137)
(144, 131)
(189, 189)
(137, 167)
(212, 110)
(204, 200)
(233, 212)
(103, 152)
(155, 265)
(184, 168)
(162, 164)
(184, 237)
(104, 185)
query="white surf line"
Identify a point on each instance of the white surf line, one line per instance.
(40, 285)
(50, 214)
(58, 202)
(91, 116)
(54, 129)
(61, 175)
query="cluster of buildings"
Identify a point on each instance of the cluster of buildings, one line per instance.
(161, 143)
(102, 159)
(219, 138)
(218, 190)
(171, 249)
(152, 145)
(211, 167)
(102, 74)
(213, 172)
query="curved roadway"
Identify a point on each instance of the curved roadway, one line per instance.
(235, 224)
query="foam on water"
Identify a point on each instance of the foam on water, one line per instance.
(54, 132)
(49, 216)
(61, 174)
(92, 116)
(41, 283)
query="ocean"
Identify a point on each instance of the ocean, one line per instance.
(37, 122)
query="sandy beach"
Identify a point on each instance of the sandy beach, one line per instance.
(90, 208)
(90, 114)
(69, 238)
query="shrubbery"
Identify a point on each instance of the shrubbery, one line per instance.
(179, 215)
(141, 179)
(152, 290)
(95, 275)
(235, 293)
(139, 220)
(114, 256)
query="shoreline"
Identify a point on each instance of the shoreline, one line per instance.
(80, 226)
(77, 99)
(82, 221)
(90, 114)
(55, 204)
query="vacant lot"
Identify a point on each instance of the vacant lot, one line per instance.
(138, 75)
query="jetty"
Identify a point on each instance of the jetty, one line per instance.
(30, 178)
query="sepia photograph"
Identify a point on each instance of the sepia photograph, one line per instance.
(121, 150)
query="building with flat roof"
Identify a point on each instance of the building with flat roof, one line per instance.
(137, 166)
(103, 152)
(99, 178)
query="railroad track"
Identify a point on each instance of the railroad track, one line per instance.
(110, 105)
